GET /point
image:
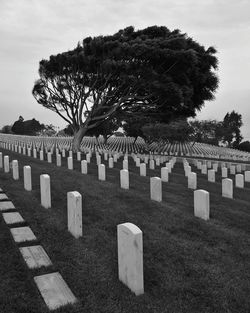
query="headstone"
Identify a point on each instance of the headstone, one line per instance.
(224, 172)
(125, 164)
(1, 160)
(201, 204)
(88, 157)
(58, 160)
(164, 174)
(238, 168)
(204, 169)
(15, 170)
(41, 155)
(63, 153)
(54, 290)
(79, 156)
(239, 181)
(6, 164)
(187, 170)
(232, 170)
(3, 196)
(143, 169)
(49, 157)
(137, 162)
(12, 218)
(27, 178)
(70, 163)
(155, 189)
(22, 234)
(215, 167)
(111, 162)
(35, 256)
(29, 152)
(211, 175)
(45, 191)
(34, 153)
(70, 154)
(130, 257)
(98, 159)
(124, 179)
(6, 205)
(227, 188)
(152, 164)
(74, 205)
(192, 180)
(84, 167)
(101, 172)
(247, 176)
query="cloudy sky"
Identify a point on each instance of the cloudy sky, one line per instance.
(31, 30)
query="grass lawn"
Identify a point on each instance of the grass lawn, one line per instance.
(189, 265)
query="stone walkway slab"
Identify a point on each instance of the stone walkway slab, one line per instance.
(35, 256)
(3, 196)
(12, 218)
(22, 234)
(6, 205)
(54, 290)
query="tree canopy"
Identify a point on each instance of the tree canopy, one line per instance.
(28, 127)
(151, 72)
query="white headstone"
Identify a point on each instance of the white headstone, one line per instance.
(211, 175)
(204, 169)
(54, 290)
(34, 153)
(137, 162)
(27, 178)
(35, 256)
(152, 164)
(238, 168)
(74, 204)
(155, 189)
(58, 160)
(192, 180)
(164, 174)
(15, 170)
(247, 176)
(130, 257)
(88, 157)
(125, 164)
(70, 162)
(111, 162)
(224, 172)
(49, 157)
(41, 155)
(84, 167)
(201, 204)
(227, 188)
(45, 191)
(124, 179)
(79, 156)
(101, 172)
(6, 164)
(232, 170)
(1, 160)
(143, 169)
(239, 181)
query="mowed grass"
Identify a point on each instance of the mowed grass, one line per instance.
(189, 265)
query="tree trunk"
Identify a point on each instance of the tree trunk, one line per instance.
(78, 135)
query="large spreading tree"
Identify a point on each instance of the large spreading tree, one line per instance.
(153, 72)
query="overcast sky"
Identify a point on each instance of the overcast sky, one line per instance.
(31, 30)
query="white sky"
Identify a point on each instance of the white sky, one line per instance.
(31, 30)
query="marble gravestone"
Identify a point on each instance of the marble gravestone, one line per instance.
(130, 257)
(74, 205)
(201, 204)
